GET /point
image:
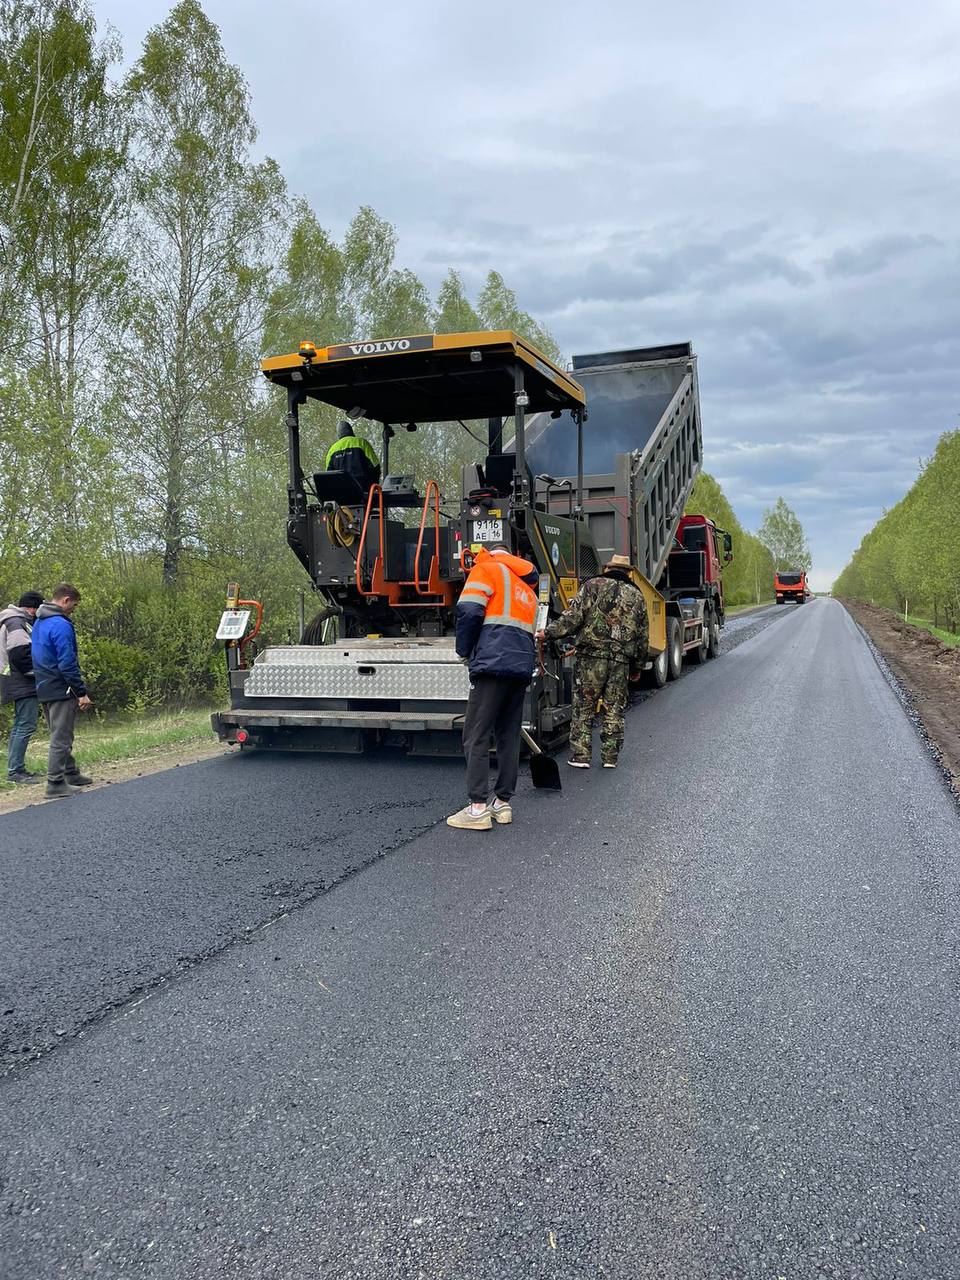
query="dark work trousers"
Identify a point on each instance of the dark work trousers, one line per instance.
(495, 709)
(60, 718)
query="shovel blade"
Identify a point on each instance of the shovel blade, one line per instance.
(545, 773)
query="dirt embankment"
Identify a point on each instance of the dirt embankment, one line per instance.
(928, 670)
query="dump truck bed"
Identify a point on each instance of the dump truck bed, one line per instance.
(642, 449)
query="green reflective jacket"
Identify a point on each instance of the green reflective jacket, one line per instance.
(351, 442)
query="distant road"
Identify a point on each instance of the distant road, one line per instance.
(693, 1018)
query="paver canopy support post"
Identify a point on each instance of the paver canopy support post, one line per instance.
(578, 416)
(521, 400)
(295, 490)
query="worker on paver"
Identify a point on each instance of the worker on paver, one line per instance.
(354, 456)
(496, 617)
(607, 620)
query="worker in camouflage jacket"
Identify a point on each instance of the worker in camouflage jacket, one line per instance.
(607, 621)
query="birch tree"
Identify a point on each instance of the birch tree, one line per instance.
(782, 534)
(204, 225)
(498, 308)
(62, 157)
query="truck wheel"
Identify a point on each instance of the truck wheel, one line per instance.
(713, 636)
(656, 677)
(700, 653)
(674, 649)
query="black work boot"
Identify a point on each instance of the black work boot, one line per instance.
(56, 789)
(77, 779)
(22, 778)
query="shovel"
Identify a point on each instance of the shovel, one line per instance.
(544, 771)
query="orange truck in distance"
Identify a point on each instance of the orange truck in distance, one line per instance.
(790, 585)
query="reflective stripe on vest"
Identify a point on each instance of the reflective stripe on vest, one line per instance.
(518, 600)
(476, 593)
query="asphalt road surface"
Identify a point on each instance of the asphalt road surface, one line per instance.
(697, 1017)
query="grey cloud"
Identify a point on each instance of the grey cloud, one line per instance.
(876, 254)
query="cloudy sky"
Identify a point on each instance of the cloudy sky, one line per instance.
(780, 184)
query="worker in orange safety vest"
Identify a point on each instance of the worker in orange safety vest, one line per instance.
(496, 619)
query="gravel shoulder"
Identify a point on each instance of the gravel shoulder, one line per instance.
(928, 672)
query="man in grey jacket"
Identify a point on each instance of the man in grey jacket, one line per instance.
(17, 682)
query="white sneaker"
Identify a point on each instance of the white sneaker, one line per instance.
(502, 811)
(579, 764)
(466, 820)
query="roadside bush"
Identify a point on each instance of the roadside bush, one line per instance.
(176, 629)
(119, 675)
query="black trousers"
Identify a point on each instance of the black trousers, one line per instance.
(494, 710)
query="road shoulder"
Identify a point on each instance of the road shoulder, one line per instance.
(106, 774)
(928, 672)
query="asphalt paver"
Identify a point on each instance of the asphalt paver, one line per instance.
(694, 1017)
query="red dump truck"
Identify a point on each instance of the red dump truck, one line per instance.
(790, 586)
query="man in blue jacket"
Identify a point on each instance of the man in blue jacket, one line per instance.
(60, 687)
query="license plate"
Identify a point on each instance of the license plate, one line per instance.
(488, 531)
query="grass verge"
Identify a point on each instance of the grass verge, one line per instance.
(123, 738)
(945, 637)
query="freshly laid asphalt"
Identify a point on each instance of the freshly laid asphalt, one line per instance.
(697, 1017)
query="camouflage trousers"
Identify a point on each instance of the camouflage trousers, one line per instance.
(599, 683)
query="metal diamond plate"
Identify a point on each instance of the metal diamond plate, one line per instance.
(275, 677)
(350, 652)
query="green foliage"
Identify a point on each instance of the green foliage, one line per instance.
(454, 312)
(782, 534)
(911, 557)
(62, 163)
(748, 579)
(205, 220)
(497, 308)
(120, 673)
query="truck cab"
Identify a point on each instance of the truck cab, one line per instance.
(790, 586)
(698, 535)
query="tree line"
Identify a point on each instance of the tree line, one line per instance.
(147, 260)
(910, 559)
